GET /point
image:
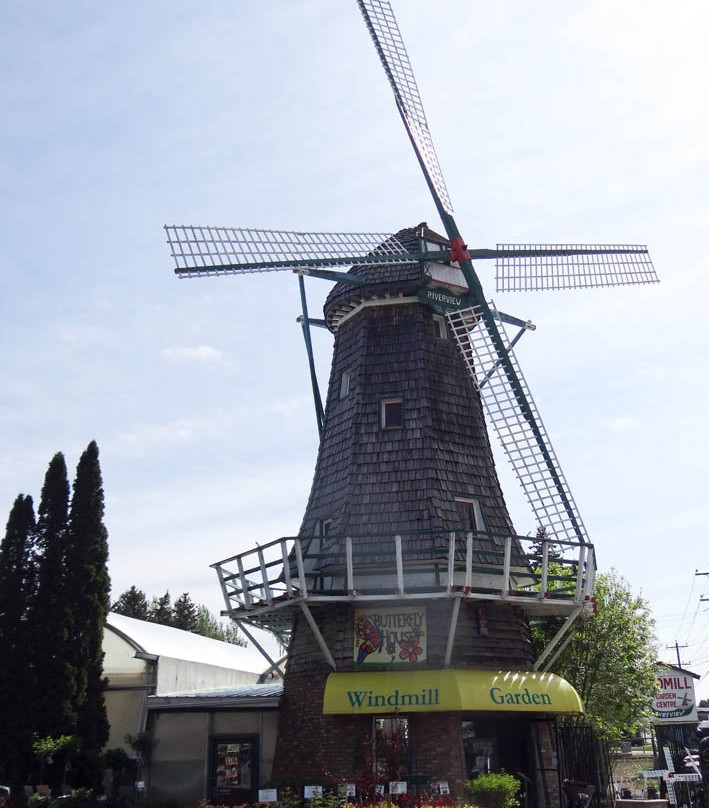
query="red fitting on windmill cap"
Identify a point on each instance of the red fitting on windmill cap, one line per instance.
(459, 250)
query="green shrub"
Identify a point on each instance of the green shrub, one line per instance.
(494, 790)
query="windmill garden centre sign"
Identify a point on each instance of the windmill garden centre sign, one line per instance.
(674, 702)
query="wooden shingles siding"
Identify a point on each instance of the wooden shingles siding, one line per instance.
(372, 480)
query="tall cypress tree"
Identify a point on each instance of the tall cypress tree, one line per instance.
(17, 580)
(88, 591)
(54, 711)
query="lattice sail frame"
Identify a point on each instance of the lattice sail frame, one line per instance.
(384, 30)
(543, 267)
(534, 470)
(201, 250)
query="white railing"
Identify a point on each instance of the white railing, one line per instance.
(400, 566)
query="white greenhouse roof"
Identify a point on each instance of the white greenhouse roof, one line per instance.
(166, 641)
(230, 697)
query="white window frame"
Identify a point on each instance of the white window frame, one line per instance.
(385, 402)
(345, 383)
(440, 330)
(477, 511)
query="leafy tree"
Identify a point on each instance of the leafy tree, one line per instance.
(88, 588)
(47, 749)
(54, 696)
(17, 574)
(161, 610)
(209, 626)
(132, 603)
(184, 613)
(610, 660)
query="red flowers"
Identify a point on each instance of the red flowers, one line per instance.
(410, 649)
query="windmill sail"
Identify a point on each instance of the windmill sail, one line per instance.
(521, 433)
(541, 267)
(236, 250)
(386, 36)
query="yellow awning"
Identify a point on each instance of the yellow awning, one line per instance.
(423, 691)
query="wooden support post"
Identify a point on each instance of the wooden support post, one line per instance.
(286, 569)
(451, 561)
(451, 633)
(350, 570)
(580, 571)
(506, 568)
(399, 567)
(468, 563)
(544, 585)
(244, 582)
(318, 635)
(301, 568)
(264, 577)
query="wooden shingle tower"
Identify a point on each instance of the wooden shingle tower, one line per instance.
(404, 457)
(405, 598)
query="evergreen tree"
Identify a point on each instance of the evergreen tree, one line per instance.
(17, 577)
(88, 588)
(537, 546)
(132, 603)
(54, 685)
(184, 613)
(161, 610)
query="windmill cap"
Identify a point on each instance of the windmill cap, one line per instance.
(384, 280)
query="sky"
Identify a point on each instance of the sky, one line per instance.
(553, 122)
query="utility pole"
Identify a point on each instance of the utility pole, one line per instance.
(677, 646)
(696, 572)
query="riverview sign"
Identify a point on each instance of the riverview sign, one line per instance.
(674, 702)
(420, 691)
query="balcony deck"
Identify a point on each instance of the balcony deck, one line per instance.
(265, 586)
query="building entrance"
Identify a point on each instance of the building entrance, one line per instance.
(499, 744)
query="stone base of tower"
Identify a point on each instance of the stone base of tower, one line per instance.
(314, 748)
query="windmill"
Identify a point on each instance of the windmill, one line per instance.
(405, 506)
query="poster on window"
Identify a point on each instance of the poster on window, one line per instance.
(233, 775)
(391, 636)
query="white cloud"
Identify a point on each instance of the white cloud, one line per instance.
(202, 354)
(181, 430)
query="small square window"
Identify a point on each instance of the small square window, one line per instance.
(345, 383)
(469, 513)
(392, 413)
(323, 527)
(439, 327)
